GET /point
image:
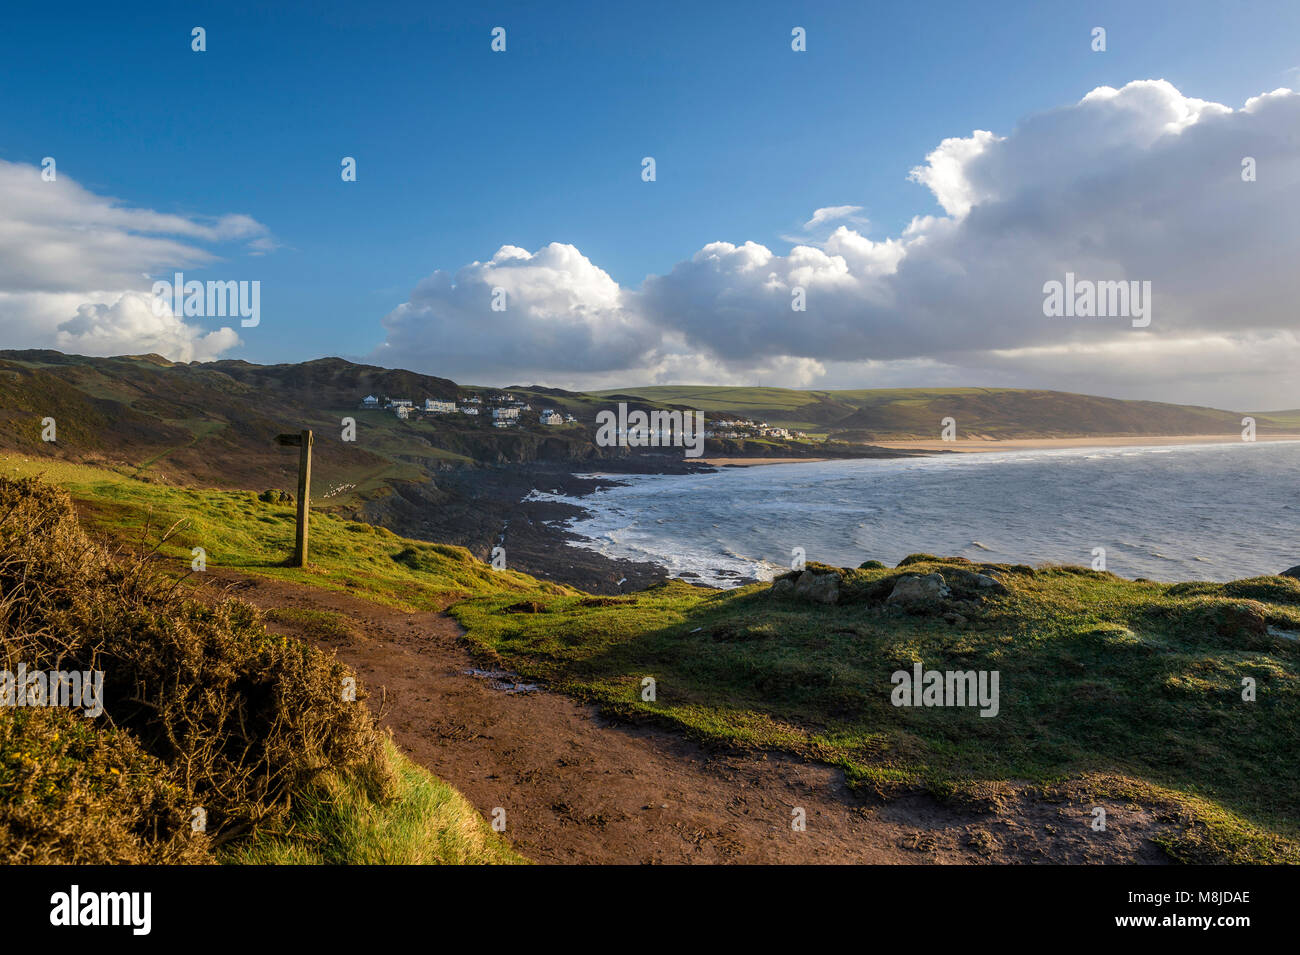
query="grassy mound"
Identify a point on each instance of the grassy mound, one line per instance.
(424, 822)
(1099, 676)
(205, 714)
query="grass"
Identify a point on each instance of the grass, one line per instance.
(1099, 675)
(237, 530)
(199, 427)
(423, 822)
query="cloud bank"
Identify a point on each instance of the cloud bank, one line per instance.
(1138, 184)
(75, 267)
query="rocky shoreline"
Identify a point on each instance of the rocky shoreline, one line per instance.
(480, 508)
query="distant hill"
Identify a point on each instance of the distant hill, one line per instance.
(898, 413)
(214, 424)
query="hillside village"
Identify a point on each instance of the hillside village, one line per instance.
(505, 409)
(509, 411)
(745, 428)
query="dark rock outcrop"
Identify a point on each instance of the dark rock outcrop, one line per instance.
(918, 591)
(823, 588)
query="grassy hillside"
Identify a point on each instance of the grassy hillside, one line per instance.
(1109, 686)
(238, 529)
(215, 424)
(979, 412)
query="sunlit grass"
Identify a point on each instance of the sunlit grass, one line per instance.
(422, 822)
(236, 529)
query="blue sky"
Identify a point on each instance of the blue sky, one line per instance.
(461, 150)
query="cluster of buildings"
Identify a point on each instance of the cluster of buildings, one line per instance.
(744, 428)
(503, 407)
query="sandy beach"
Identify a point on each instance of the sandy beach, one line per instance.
(964, 445)
(755, 462)
(1026, 444)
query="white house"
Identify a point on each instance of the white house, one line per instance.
(434, 406)
(466, 409)
(401, 403)
(505, 414)
(552, 417)
(370, 401)
(402, 411)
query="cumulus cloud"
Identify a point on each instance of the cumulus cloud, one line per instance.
(132, 325)
(1134, 184)
(945, 172)
(1140, 183)
(566, 324)
(556, 314)
(74, 266)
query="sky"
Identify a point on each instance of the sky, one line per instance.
(886, 207)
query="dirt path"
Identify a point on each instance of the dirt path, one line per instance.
(579, 789)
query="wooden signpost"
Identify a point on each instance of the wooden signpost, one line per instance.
(303, 441)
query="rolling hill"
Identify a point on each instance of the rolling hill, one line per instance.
(214, 424)
(901, 413)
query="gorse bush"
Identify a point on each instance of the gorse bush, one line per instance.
(70, 792)
(202, 708)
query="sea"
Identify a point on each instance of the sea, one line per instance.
(1189, 512)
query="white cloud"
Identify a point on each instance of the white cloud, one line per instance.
(562, 315)
(73, 263)
(131, 326)
(945, 171)
(832, 213)
(1140, 183)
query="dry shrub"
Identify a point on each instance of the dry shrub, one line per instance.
(237, 720)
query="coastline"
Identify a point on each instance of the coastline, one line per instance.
(564, 543)
(484, 507)
(977, 445)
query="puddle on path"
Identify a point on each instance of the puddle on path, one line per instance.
(503, 680)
